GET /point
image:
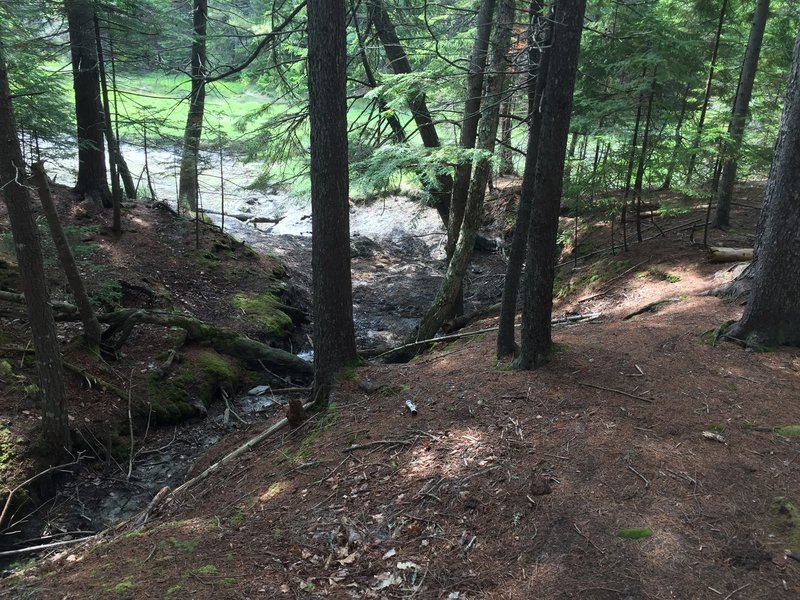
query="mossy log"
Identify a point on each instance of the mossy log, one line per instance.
(226, 341)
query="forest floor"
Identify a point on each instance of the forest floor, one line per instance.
(645, 461)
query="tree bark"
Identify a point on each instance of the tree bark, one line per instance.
(334, 337)
(91, 181)
(469, 123)
(537, 297)
(113, 150)
(469, 133)
(639, 181)
(538, 65)
(187, 190)
(772, 314)
(447, 294)
(55, 426)
(398, 60)
(91, 326)
(739, 117)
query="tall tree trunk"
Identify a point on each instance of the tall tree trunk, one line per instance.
(506, 152)
(629, 173)
(91, 326)
(187, 192)
(334, 338)
(88, 111)
(55, 426)
(469, 134)
(113, 163)
(772, 315)
(537, 297)
(124, 171)
(469, 123)
(678, 138)
(538, 66)
(707, 93)
(119, 168)
(739, 117)
(490, 112)
(638, 183)
(440, 190)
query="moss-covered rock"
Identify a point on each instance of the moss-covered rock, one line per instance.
(190, 388)
(266, 310)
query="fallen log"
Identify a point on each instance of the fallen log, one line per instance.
(720, 254)
(226, 341)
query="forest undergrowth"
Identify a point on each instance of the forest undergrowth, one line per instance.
(647, 460)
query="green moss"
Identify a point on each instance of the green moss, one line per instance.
(785, 521)
(124, 586)
(185, 545)
(172, 592)
(6, 449)
(634, 533)
(228, 581)
(207, 570)
(265, 309)
(199, 378)
(788, 430)
(716, 428)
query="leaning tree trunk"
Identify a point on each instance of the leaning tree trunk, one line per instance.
(187, 190)
(334, 337)
(91, 181)
(55, 426)
(537, 297)
(739, 117)
(441, 189)
(538, 64)
(91, 326)
(772, 314)
(114, 153)
(448, 292)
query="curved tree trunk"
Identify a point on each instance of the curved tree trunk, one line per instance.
(440, 190)
(187, 191)
(55, 426)
(448, 292)
(537, 297)
(539, 59)
(88, 111)
(739, 117)
(334, 337)
(772, 315)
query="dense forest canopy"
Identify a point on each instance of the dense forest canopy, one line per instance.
(631, 50)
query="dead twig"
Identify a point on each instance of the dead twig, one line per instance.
(31, 480)
(379, 443)
(580, 533)
(642, 477)
(616, 391)
(729, 596)
(45, 546)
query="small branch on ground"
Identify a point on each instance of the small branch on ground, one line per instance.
(616, 391)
